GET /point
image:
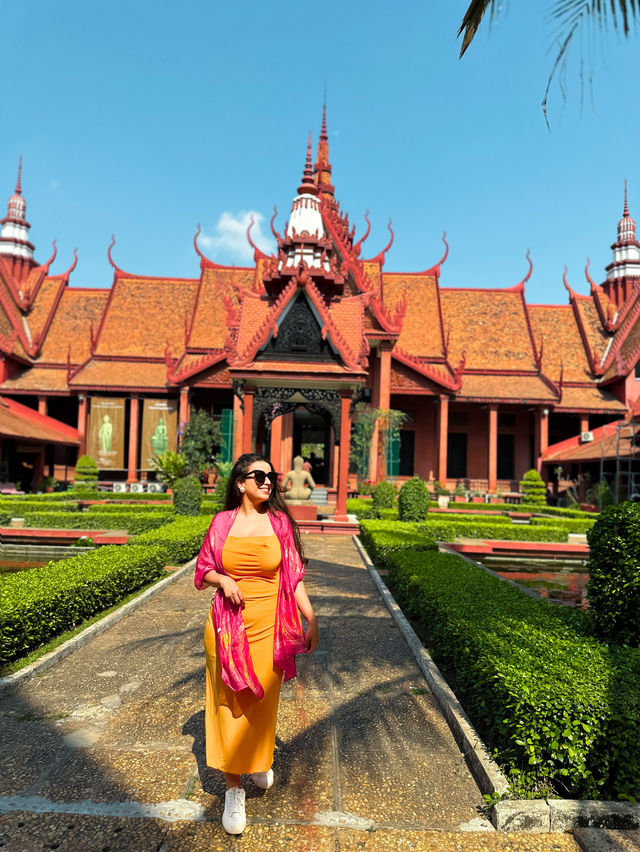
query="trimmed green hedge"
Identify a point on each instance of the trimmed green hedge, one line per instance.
(115, 509)
(451, 529)
(561, 710)
(525, 507)
(134, 521)
(43, 602)
(573, 525)
(181, 539)
(16, 508)
(382, 538)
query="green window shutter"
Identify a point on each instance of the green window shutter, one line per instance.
(393, 453)
(226, 425)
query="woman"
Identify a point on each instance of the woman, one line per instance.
(252, 558)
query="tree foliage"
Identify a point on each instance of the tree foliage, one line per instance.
(572, 18)
(200, 436)
(367, 416)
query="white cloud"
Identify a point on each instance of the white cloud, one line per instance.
(229, 238)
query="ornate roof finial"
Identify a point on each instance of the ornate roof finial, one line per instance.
(19, 181)
(625, 212)
(308, 187)
(323, 132)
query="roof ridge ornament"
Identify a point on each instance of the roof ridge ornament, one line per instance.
(380, 258)
(308, 186)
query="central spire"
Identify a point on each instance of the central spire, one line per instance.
(14, 235)
(308, 187)
(322, 171)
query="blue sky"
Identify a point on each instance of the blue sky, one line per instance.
(144, 118)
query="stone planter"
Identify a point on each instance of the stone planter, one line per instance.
(443, 501)
(477, 499)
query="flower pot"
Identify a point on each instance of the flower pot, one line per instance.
(477, 499)
(443, 501)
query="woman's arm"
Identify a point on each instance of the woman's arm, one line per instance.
(304, 605)
(230, 589)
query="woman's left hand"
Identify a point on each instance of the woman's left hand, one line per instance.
(311, 636)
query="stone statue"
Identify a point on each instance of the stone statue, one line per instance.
(301, 481)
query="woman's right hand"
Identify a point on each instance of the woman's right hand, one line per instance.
(231, 590)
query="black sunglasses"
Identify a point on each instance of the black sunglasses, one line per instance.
(261, 477)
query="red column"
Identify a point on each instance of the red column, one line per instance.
(492, 473)
(276, 444)
(42, 405)
(385, 401)
(584, 422)
(247, 423)
(374, 369)
(542, 436)
(443, 431)
(343, 471)
(82, 424)
(184, 413)
(134, 411)
(237, 426)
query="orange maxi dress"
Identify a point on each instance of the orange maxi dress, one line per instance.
(240, 728)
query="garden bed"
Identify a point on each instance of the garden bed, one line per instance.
(560, 709)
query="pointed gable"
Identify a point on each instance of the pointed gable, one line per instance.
(421, 332)
(218, 286)
(69, 335)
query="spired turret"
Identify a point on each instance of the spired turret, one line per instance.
(626, 249)
(14, 235)
(305, 236)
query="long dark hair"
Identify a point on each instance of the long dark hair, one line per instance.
(275, 503)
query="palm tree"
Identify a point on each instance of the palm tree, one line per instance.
(571, 16)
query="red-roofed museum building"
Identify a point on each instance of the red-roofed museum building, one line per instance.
(282, 349)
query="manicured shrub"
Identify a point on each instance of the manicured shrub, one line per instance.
(182, 538)
(533, 489)
(44, 602)
(220, 494)
(413, 500)
(381, 538)
(362, 508)
(573, 525)
(384, 496)
(613, 590)
(85, 477)
(560, 710)
(187, 495)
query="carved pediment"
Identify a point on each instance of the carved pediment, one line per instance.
(299, 337)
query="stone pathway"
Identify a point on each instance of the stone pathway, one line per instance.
(105, 750)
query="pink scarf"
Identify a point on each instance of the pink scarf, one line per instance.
(233, 645)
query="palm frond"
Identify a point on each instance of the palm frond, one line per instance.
(471, 21)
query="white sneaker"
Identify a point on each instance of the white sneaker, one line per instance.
(234, 818)
(264, 780)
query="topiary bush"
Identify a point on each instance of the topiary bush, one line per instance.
(613, 590)
(413, 500)
(384, 495)
(187, 495)
(220, 494)
(85, 477)
(533, 489)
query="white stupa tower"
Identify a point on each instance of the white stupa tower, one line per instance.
(14, 235)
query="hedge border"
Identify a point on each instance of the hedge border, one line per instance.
(45, 662)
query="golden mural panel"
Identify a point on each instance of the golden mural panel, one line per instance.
(159, 429)
(106, 432)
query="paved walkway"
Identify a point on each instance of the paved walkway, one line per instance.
(101, 746)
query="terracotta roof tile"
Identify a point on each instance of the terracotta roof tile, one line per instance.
(254, 311)
(142, 315)
(121, 374)
(210, 329)
(19, 421)
(76, 311)
(489, 326)
(589, 398)
(41, 308)
(421, 334)
(347, 315)
(554, 326)
(37, 379)
(517, 389)
(596, 336)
